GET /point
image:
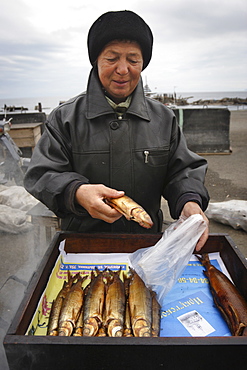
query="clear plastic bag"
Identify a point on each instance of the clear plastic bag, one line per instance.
(160, 265)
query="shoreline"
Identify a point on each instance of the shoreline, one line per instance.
(226, 99)
(171, 99)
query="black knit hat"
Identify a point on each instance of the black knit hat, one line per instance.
(120, 25)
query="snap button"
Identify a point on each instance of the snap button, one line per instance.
(114, 125)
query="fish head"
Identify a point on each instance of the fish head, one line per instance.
(142, 328)
(66, 329)
(90, 327)
(115, 328)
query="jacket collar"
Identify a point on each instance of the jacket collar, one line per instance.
(97, 104)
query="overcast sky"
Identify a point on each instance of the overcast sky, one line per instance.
(198, 45)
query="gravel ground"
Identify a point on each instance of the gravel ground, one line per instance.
(227, 176)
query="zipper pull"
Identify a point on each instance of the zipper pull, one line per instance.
(146, 153)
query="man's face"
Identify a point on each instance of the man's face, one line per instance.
(119, 67)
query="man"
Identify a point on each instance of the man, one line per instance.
(113, 140)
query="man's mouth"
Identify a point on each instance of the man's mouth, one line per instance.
(120, 82)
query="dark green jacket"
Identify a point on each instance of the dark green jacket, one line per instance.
(144, 154)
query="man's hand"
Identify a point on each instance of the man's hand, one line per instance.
(192, 208)
(91, 197)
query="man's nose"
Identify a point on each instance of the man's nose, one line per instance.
(122, 67)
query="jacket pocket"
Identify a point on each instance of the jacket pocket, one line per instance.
(150, 170)
(154, 157)
(149, 176)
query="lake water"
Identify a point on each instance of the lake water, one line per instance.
(49, 103)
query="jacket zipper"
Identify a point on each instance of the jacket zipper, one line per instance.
(146, 154)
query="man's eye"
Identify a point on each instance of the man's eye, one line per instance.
(111, 60)
(133, 61)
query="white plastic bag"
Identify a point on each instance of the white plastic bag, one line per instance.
(161, 265)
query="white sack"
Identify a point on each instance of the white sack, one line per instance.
(231, 212)
(17, 197)
(13, 220)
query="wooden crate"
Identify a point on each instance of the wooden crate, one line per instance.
(45, 352)
(26, 135)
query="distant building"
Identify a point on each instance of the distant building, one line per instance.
(147, 90)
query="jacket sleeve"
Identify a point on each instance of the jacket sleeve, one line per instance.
(50, 171)
(186, 175)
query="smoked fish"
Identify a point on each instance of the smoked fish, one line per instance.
(71, 308)
(131, 210)
(155, 315)
(78, 331)
(94, 304)
(140, 304)
(227, 298)
(127, 322)
(115, 305)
